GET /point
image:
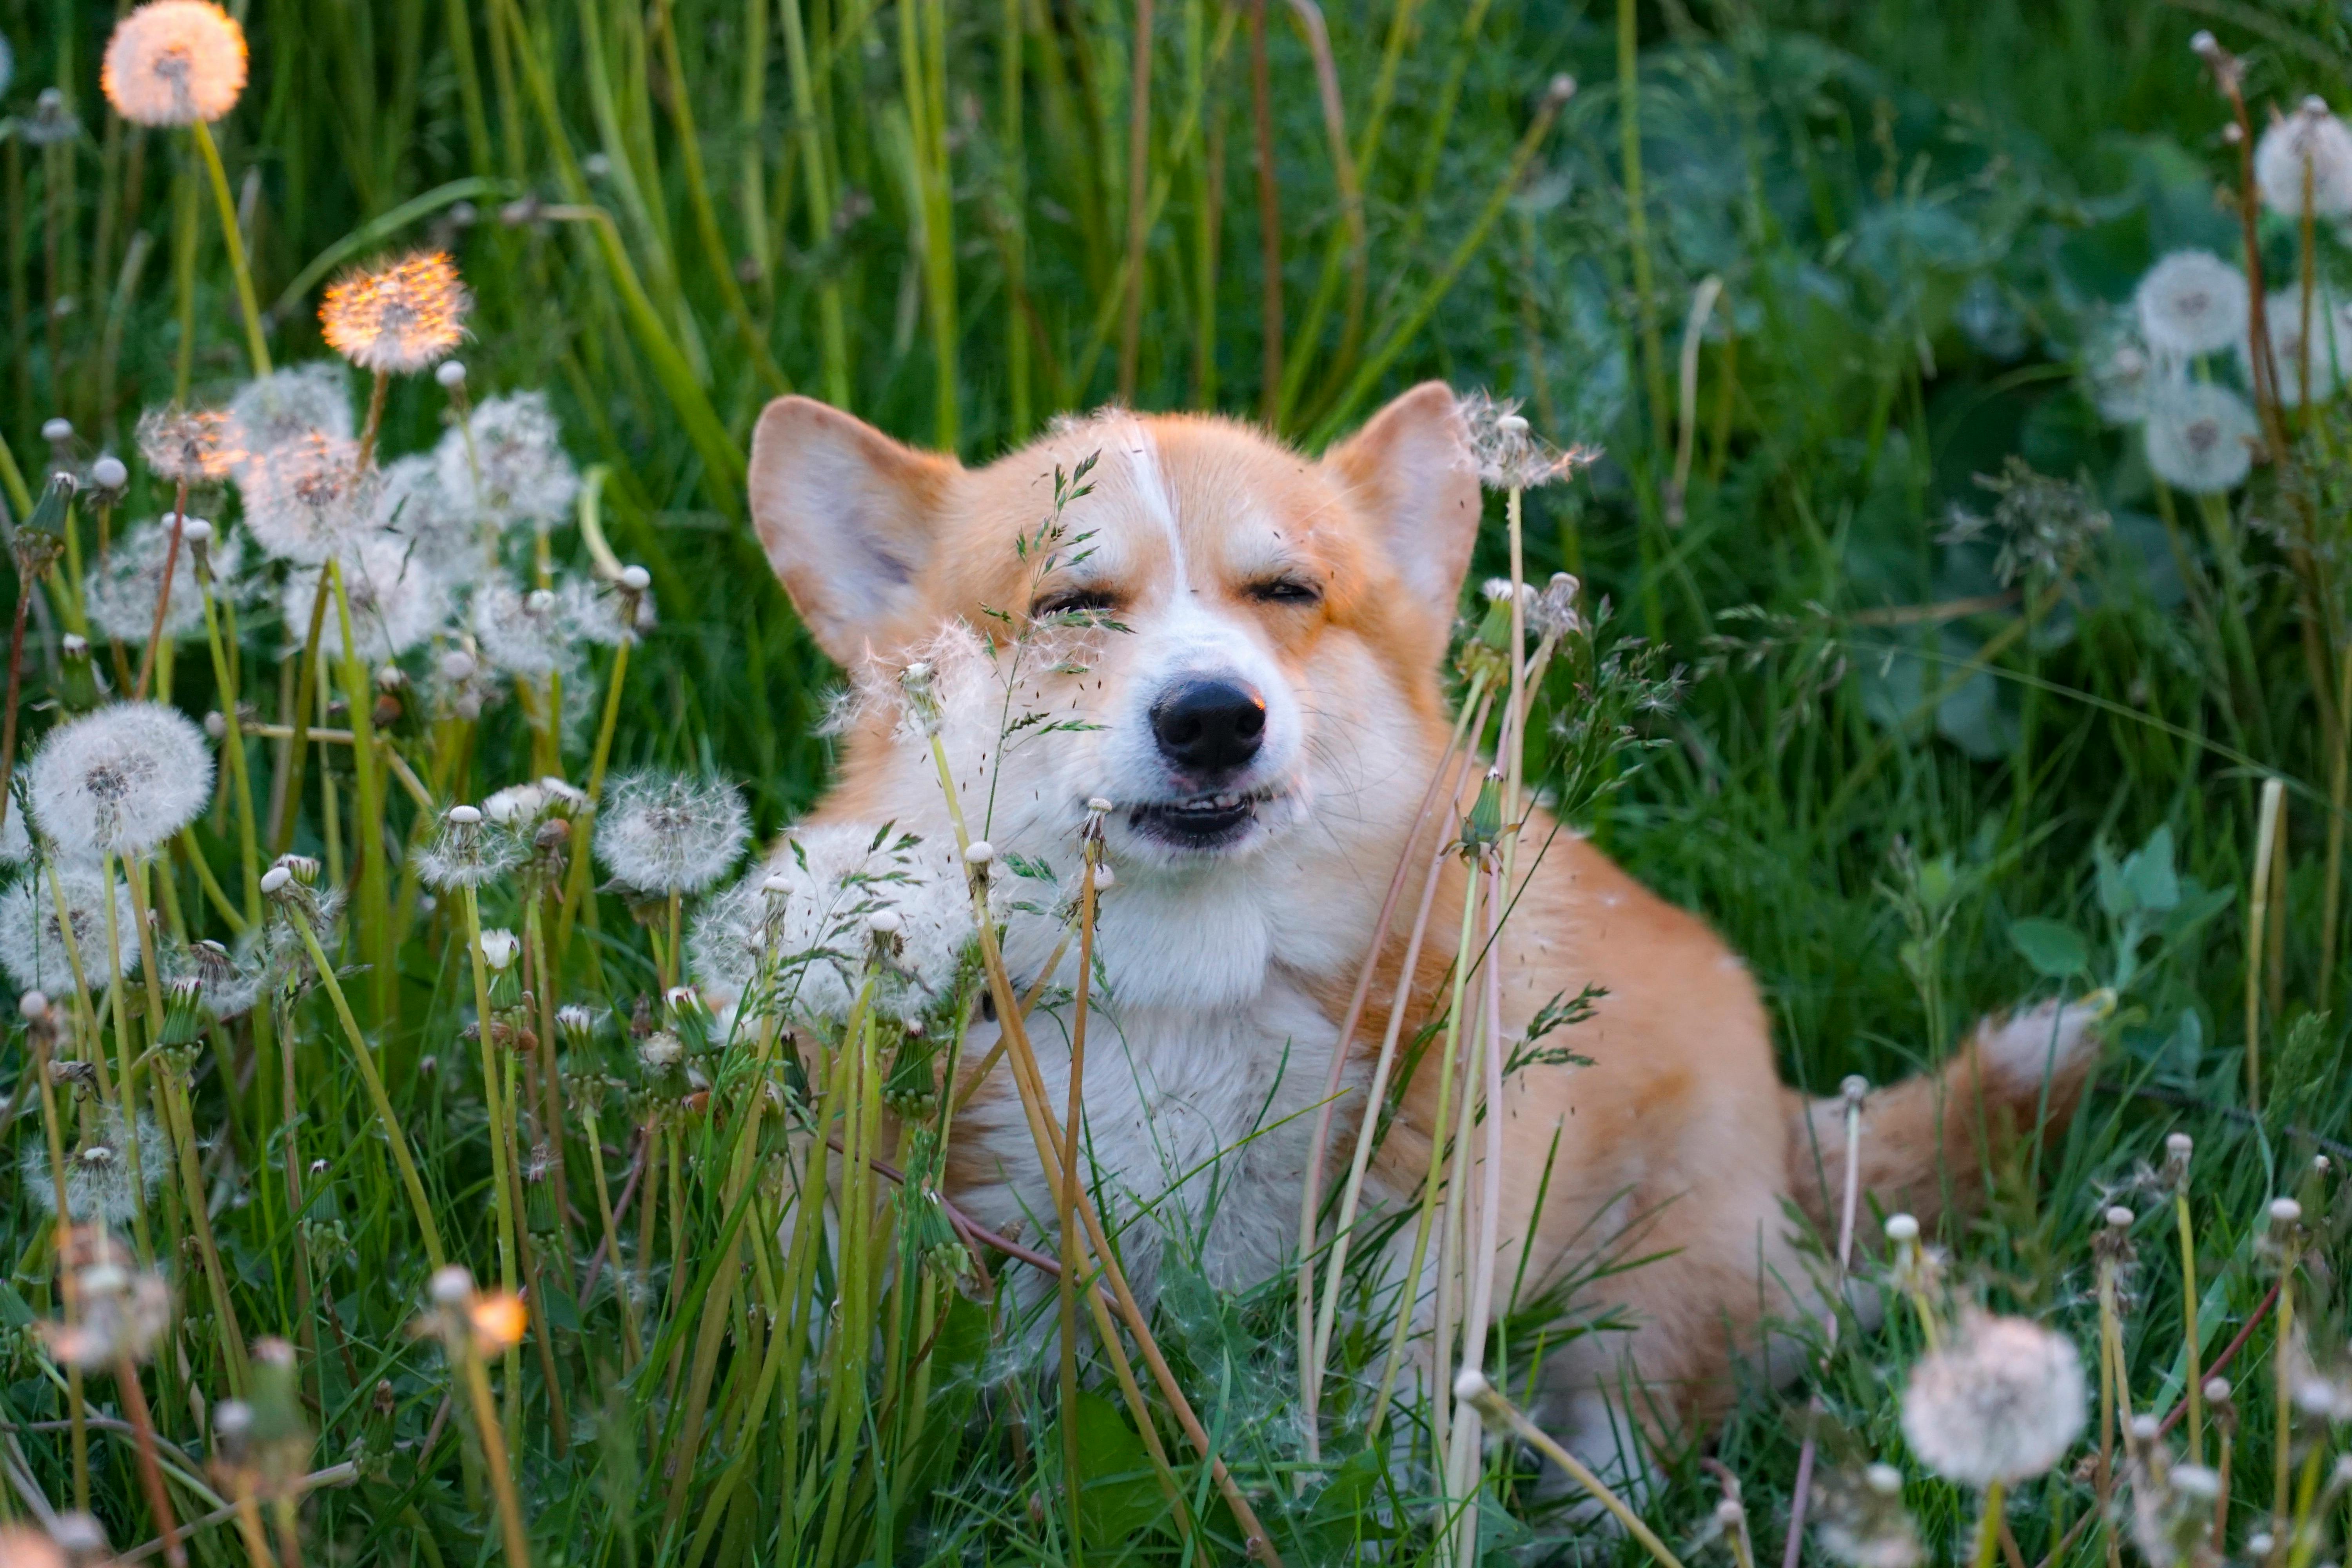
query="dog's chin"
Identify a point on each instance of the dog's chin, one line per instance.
(1204, 828)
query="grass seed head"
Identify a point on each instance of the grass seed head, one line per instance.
(400, 318)
(120, 781)
(175, 62)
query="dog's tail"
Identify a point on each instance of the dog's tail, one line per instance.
(1927, 1142)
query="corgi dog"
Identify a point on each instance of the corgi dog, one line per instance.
(1237, 674)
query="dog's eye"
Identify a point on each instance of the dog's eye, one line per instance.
(1286, 591)
(1073, 602)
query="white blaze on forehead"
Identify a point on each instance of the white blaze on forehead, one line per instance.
(1151, 490)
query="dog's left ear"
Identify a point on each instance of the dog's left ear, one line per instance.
(1409, 471)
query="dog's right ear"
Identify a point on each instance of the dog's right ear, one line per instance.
(848, 518)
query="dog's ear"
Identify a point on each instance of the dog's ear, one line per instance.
(848, 518)
(1409, 471)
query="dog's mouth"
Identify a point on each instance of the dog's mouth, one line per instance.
(1201, 821)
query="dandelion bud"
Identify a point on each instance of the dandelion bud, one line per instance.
(456, 665)
(214, 725)
(2120, 1218)
(539, 601)
(2285, 1212)
(2178, 1145)
(2231, 134)
(34, 1005)
(1731, 1514)
(2321, 1164)
(1098, 805)
(195, 529)
(2217, 1390)
(303, 868)
(2198, 1481)
(468, 707)
(2202, 43)
(232, 1424)
(275, 879)
(575, 1026)
(109, 473)
(1471, 1387)
(452, 1287)
(450, 373)
(1560, 89)
(661, 1051)
(1512, 424)
(637, 579)
(979, 852)
(2259, 1545)
(56, 432)
(499, 949)
(2144, 1427)
(1884, 1479)
(1902, 1229)
(777, 887)
(464, 816)
(885, 922)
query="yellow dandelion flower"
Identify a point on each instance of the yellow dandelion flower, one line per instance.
(403, 318)
(175, 62)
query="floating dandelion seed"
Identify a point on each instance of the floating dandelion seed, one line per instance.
(305, 498)
(33, 951)
(2004, 1403)
(103, 1183)
(2191, 302)
(400, 319)
(120, 781)
(2310, 139)
(189, 446)
(803, 911)
(175, 62)
(397, 600)
(2331, 345)
(120, 595)
(518, 447)
(667, 832)
(286, 406)
(2200, 438)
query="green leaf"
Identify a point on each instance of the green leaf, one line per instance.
(2051, 946)
(2148, 874)
(1119, 1497)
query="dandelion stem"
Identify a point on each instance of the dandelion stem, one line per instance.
(256, 349)
(500, 1183)
(1067, 1286)
(494, 1454)
(162, 595)
(1491, 1403)
(290, 805)
(2258, 908)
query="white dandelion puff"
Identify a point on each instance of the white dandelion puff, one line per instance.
(2200, 438)
(667, 832)
(2191, 302)
(468, 851)
(286, 405)
(397, 599)
(2122, 374)
(306, 497)
(120, 595)
(2309, 142)
(15, 844)
(399, 318)
(2001, 1404)
(801, 919)
(120, 781)
(189, 446)
(2331, 345)
(410, 503)
(103, 1182)
(32, 948)
(173, 62)
(1507, 453)
(525, 476)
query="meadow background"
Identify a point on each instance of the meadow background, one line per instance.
(1903, 770)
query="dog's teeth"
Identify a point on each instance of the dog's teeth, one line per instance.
(1227, 802)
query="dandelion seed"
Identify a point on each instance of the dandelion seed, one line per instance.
(230, 986)
(120, 781)
(2003, 1404)
(189, 446)
(516, 446)
(288, 406)
(1507, 453)
(2191, 302)
(2331, 345)
(1552, 613)
(173, 62)
(120, 595)
(661, 1051)
(466, 853)
(306, 497)
(103, 1183)
(399, 318)
(667, 832)
(32, 949)
(2311, 141)
(397, 601)
(2200, 439)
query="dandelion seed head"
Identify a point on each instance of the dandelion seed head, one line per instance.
(2002, 1403)
(286, 405)
(517, 448)
(2200, 439)
(801, 920)
(2310, 142)
(397, 600)
(15, 844)
(123, 1312)
(120, 781)
(410, 504)
(189, 446)
(173, 62)
(103, 1183)
(1505, 450)
(1860, 1520)
(306, 497)
(398, 319)
(2331, 346)
(466, 852)
(537, 632)
(2121, 373)
(52, 121)
(663, 833)
(2191, 302)
(119, 595)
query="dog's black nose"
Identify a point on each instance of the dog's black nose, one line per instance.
(1209, 726)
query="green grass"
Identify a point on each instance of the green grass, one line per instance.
(922, 211)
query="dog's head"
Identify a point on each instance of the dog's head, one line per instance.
(1234, 644)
